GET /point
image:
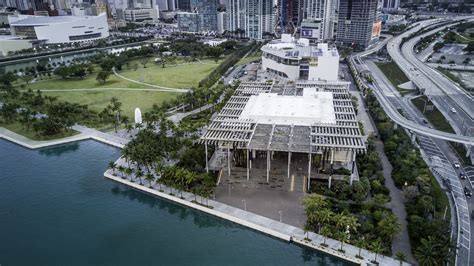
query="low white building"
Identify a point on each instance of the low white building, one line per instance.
(10, 43)
(141, 14)
(298, 59)
(60, 29)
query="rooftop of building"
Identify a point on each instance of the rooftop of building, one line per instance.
(294, 116)
(313, 107)
(289, 47)
(42, 20)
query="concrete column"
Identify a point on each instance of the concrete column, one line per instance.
(254, 154)
(207, 164)
(329, 181)
(309, 171)
(289, 162)
(413, 138)
(468, 151)
(268, 166)
(248, 165)
(353, 155)
(228, 161)
(395, 126)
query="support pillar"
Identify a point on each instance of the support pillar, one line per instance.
(330, 170)
(268, 166)
(353, 155)
(309, 171)
(228, 161)
(289, 162)
(248, 165)
(395, 126)
(468, 151)
(329, 182)
(207, 163)
(413, 138)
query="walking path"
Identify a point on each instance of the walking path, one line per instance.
(147, 84)
(104, 89)
(86, 133)
(261, 224)
(401, 241)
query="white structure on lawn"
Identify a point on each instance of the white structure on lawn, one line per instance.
(138, 116)
(60, 29)
(298, 59)
(311, 123)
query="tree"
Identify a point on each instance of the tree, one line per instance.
(149, 177)
(112, 166)
(129, 172)
(144, 61)
(389, 227)
(102, 76)
(214, 52)
(427, 252)
(325, 231)
(121, 169)
(139, 175)
(401, 257)
(377, 248)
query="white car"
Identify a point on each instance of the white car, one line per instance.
(453, 110)
(456, 165)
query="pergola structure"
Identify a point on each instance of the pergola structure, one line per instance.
(230, 129)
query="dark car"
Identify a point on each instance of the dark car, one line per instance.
(467, 192)
(462, 176)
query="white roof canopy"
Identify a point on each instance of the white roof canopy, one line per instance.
(313, 107)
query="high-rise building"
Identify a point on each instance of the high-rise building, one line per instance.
(207, 10)
(184, 5)
(323, 10)
(356, 20)
(390, 4)
(253, 18)
(289, 14)
(221, 22)
(188, 22)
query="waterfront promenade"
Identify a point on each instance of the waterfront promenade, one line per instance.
(85, 133)
(259, 223)
(251, 220)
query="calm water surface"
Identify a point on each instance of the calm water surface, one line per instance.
(56, 208)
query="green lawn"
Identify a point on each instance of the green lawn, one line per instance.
(393, 73)
(98, 100)
(174, 76)
(185, 75)
(438, 121)
(17, 128)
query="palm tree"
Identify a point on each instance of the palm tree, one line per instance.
(389, 227)
(401, 257)
(306, 229)
(129, 172)
(324, 216)
(139, 174)
(360, 243)
(325, 231)
(377, 248)
(427, 251)
(121, 169)
(112, 166)
(149, 177)
(342, 236)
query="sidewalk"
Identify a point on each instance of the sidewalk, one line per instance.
(262, 224)
(86, 133)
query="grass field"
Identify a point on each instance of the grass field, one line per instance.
(174, 76)
(97, 100)
(438, 121)
(17, 128)
(129, 93)
(394, 74)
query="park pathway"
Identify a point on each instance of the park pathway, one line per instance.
(401, 241)
(147, 84)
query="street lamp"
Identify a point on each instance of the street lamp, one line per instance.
(281, 215)
(245, 204)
